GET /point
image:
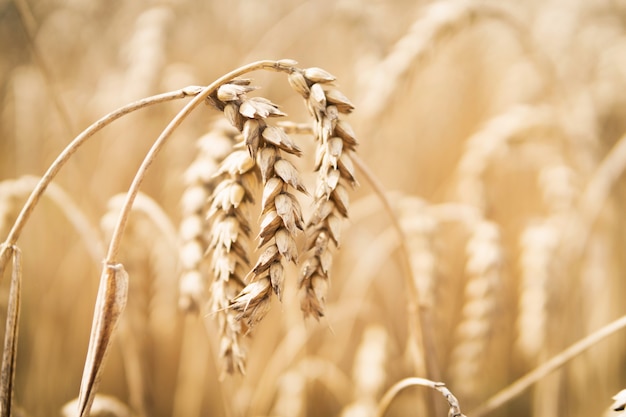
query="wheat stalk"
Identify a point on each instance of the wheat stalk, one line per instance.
(71, 148)
(151, 238)
(549, 366)
(454, 408)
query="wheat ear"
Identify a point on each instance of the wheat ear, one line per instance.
(335, 143)
(267, 147)
(113, 277)
(539, 243)
(439, 19)
(484, 265)
(200, 183)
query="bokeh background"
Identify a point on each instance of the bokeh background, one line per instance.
(494, 127)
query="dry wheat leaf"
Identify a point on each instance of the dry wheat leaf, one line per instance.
(110, 303)
(10, 335)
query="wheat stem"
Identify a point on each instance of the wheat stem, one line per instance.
(418, 315)
(454, 411)
(165, 135)
(70, 149)
(548, 367)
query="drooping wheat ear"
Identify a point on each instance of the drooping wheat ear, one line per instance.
(483, 268)
(266, 151)
(335, 173)
(368, 373)
(200, 183)
(485, 145)
(539, 242)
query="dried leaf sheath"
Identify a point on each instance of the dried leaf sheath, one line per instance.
(9, 354)
(110, 303)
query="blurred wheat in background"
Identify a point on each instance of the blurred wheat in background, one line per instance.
(496, 131)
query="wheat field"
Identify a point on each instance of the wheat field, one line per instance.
(348, 204)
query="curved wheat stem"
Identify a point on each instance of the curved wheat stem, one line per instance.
(540, 372)
(453, 403)
(69, 150)
(420, 325)
(150, 240)
(200, 96)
